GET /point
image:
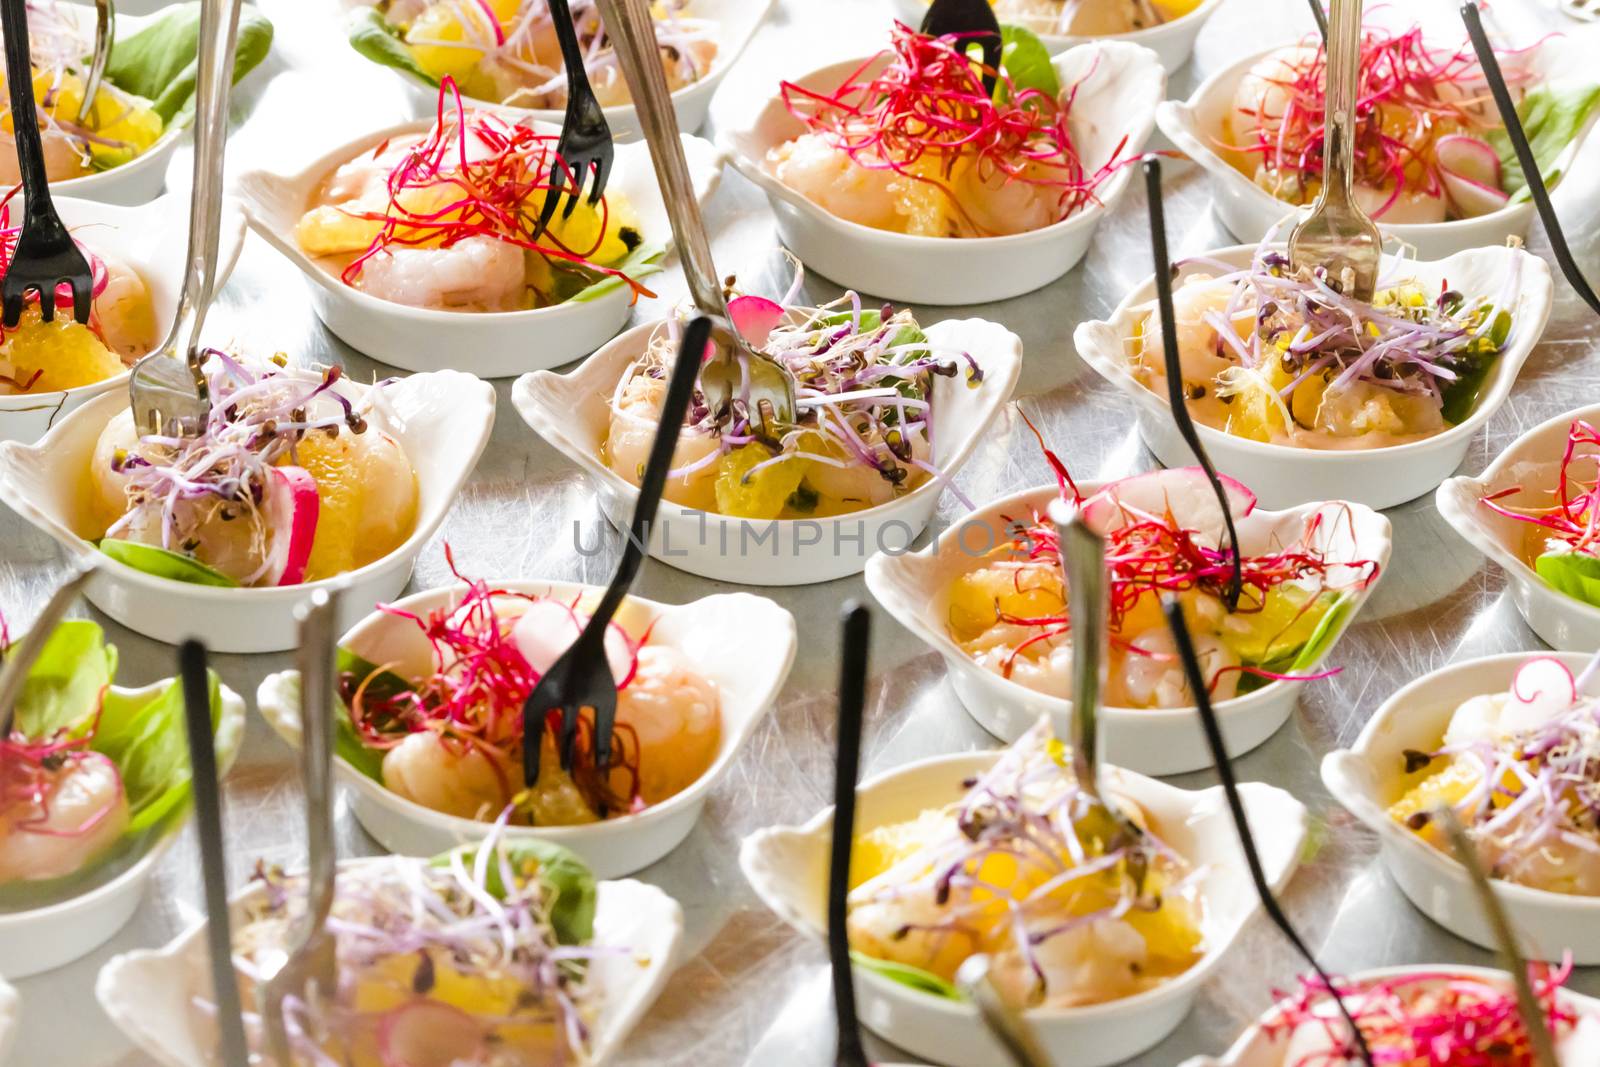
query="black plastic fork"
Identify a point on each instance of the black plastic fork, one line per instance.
(46, 256)
(582, 677)
(971, 21)
(586, 141)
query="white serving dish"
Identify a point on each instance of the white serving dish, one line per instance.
(42, 939)
(1250, 212)
(10, 1009)
(441, 419)
(1365, 779)
(152, 238)
(1172, 41)
(572, 413)
(915, 589)
(1282, 475)
(1121, 85)
(788, 867)
(1532, 460)
(1257, 1048)
(148, 993)
(744, 643)
(737, 21)
(488, 344)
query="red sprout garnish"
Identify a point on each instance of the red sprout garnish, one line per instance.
(1575, 517)
(474, 698)
(496, 189)
(1427, 1017)
(928, 103)
(1430, 91)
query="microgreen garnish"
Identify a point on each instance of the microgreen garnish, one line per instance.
(1574, 519)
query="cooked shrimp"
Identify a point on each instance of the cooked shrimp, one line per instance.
(123, 311)
(457, 778)
(1198, 339)
(829, 177)
(84, 812)
(474, 274)
(1152, 674)
(674, 712)
(635, 415)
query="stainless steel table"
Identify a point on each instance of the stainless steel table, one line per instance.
(749, 991)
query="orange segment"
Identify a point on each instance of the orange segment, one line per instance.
(68, 354)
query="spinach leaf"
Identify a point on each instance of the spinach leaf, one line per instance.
(642, 262)
(1573, 573)
(370, 34)
(565, 877)
(1551, 117)
(158, 61)
(1026, 61)
(174, 566)
(347, 744)
(905, 974)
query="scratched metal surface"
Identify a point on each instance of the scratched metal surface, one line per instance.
(748, 990)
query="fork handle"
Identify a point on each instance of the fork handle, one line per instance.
(633, 35)
(572, 58)
(219, 35)
(39, 210)
(1343, 73)
(317, 681)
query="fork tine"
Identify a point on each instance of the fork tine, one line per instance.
(569, 733)
(580, 173)
(602, 174)
(11, 303)
(47, 307)
(552, 196)
(82, 298)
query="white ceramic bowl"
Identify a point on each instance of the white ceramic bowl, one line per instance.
(1250, 212)
(915, 589)
(488, 344)
(1532, 461)
(788, 866)
(149, 994)
(442, 420)
(1172, 41)
(1366, 779)
(572, 412)
(744, 643)
(10, 1010)
(1121, 85)
(1282, 475)
(1256, 1047)
(737, 22)
(42, 939)
(152, 238)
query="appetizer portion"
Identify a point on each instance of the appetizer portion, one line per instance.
(90, 774)
(1561, 539)
(1163, 535)
(119, 126)
(506, 51)
(448, 219)
(1426, 1017)
(1430, 146)
(453, 740)
(1024, 868)
(42, 357)
(1287, 359)
(865, 422)
(1520, 769)
(477, 958)
(1091, 18)
(286, 483)
(912, 143)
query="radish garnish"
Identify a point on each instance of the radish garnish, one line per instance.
(1542, 688)
(292, 510)
(1470, 170)
(1184, 491)
(754, 317)
(429, 1033)
(548, 628)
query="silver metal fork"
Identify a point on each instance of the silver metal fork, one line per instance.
(20, 660)
(1083, 555)
(105, 18)
(311, 971)
(168, 388)
(1338, 235)
(1006, 1026)
(736, 371)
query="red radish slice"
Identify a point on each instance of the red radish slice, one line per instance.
(429, 1033)
(1470, 169)
(548, 628)
(754, 317)
(1186, 491)
(1542, 688)
(292, 510)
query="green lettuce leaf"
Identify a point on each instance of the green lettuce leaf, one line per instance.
(1551, 117)
(347, 744)
(1336, 612)
(370, 34)
(1026, 61)
(63, 688)
(147, 740)
(642, 262)
(563, 873)
(1573, 573)
(158, 61)
(174, 566)
(905, 974)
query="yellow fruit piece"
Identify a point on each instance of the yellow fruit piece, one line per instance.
(68, 354)
(1284, 623)
(328, 230)
(580, 232)
(441, 41)
(1171, 933)
(923, 205)
(979, 598)
(1448, 786)
(128, 120)
(884, 846)
(362, 515)
(761, 495)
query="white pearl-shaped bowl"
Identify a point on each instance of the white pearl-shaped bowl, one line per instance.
(743, 643)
